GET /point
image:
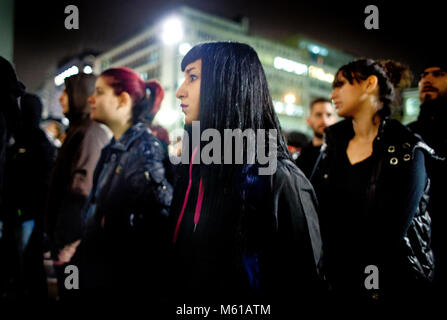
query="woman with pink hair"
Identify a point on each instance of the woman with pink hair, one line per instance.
(124, 221)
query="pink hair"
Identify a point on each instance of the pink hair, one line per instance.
(124, 79)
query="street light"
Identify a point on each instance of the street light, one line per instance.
(290, 98)
(172, 31)
(59, 79)
(87, 69)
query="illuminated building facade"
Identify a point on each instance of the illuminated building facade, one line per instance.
(296, 74)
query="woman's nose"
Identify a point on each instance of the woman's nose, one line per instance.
(180, 92)
(332, 95)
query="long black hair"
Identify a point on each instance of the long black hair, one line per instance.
(391, 75)
(234, 93)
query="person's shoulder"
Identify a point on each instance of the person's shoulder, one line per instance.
(413, 126)
(399, 139)
(288, 173)
(149, 147)
(402, 136)
(99, 130)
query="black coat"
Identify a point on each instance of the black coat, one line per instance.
(124, 231)
(307, 158)
(30, 160)
(430, 125)
(29, 163)
(256, 240)
(391, 229)
(10, 90)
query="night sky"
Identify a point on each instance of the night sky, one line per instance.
(408, 31)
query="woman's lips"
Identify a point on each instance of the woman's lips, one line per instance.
(184, 106)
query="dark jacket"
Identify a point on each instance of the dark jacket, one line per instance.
(307, 158)
(124, 230)
(29, 164)
(10, 90)
(430, 125)
(256, 240)
(391, 229)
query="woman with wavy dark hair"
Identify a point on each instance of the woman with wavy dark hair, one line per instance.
(240, 234)
(372, 186)
(124, 221)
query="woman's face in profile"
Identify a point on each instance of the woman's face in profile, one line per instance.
(104, 103)
(63, 100)
(347, 97)
(189, 91)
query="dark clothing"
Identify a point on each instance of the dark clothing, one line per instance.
(28, 168)
(123, 248)
(307, 158)
(431, 127)
(375, 213)
(355, 181)
(256, 240)
(29, 163)
(73, 173)
(10, 90)
(72, 180)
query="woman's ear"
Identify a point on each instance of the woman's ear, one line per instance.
(372, 83)
(125, 100)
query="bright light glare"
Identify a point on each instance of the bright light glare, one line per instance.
(290, 110)
(59, 79)
(279, 107)
(183, 48)
(320, 74)
(167, 117)
(172, 31)
(289, 65)
(88, 69)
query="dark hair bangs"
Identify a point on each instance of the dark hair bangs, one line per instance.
(194, 54)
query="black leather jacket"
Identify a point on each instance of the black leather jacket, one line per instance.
(430, 125)
(397, 234)
(258, 239)
(126, 215)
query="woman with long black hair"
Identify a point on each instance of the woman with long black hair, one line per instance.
(372, 184)
(241, 234)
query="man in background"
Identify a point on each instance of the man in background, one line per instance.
(321, 116)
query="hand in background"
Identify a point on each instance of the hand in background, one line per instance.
(67, 253)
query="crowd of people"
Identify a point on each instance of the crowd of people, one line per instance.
(354, 215)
